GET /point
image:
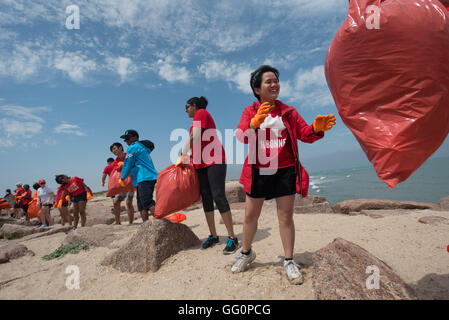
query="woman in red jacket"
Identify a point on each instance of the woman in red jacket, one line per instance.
(272, 168)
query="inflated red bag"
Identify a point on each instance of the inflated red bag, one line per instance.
(387, 69)
(176, 189)
(114, 188)
(176, 217)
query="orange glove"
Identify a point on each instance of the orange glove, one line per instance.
(261, 114)
(89, 196)
(102, 183)
(59, 204)
(323, 123)
(179, 161)
(121, 182)
(120, 164)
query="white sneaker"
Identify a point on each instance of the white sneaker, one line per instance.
(291, 269)
(242, 261)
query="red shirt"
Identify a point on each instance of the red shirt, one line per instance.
(273, 143)
(20, 192)
(58, 195)
(209, 142)
(28, 194)
(74, 187)
(117, 160)
(108, 169)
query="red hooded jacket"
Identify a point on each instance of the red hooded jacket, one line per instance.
(297, 129)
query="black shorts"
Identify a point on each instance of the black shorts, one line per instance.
(145, 191)
(282, 183)
(79, 198)
(66, 204)
(212, 187)
(25, 207)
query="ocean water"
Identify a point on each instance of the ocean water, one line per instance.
(429, 184)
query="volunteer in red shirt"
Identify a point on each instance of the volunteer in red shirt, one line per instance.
(209, 161)
(64, 209)
(18, 206)
(27, 197)
(117, 149)
(272, 169)
(107, 172)
(77, 189)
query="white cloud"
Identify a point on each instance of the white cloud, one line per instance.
(237, 74)
(76, 65)
(20, 128)
(69, 129)
(23, 113)
(309, 88)
(123, 66)
(22, 63)
(171, 72)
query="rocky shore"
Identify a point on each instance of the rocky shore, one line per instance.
(355, 249)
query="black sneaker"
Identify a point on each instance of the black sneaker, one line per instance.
(210, 242)
(231, 246)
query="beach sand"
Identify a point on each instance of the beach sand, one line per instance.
(416, 251)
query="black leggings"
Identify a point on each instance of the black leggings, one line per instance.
(212, 187)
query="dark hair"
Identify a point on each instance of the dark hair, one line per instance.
(26, 186)
(8, 190)
(36, 186)
(59, 177)
(110, 160)
(256, 77)
(116, 144)
(200, 103)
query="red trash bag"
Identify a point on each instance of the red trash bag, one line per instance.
(387, 69)
(114, 188)
(4, 204)
(176, 217)
(33, 209)
(176, 189)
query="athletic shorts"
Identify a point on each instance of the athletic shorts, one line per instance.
(212, 187)
(145, 191)
(25, 207)
(66, 204)
(79, 198)
(282, 183)
(129, 196)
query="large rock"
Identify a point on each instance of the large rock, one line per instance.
(341, 272)
(357, 205)
(155, 241)
(20, 222)
(13, 251)
(444, 203)
(53, 230)
(312, 204)
(17, 231)
(434, 220)
(235, 192)
(96, 236)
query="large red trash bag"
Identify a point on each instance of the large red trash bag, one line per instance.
(387, 69)
(4, 204)
(114, 188)
(33, 209)
(176, 217)
(176, 189)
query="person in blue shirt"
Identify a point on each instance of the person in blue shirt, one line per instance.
(139, 164)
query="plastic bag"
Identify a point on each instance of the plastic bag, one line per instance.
(4, 204)
(176, 217)
(176, 189)
(388, 73)
(114, 188)
(33, 209)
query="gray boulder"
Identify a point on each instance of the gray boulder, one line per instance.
(434, 220)
(155, 241)
(235, 192)
(357, 205)
(343, 270)
(444, 203)
(97, 236)
(312, 204)
(13, 251)
(18, 231)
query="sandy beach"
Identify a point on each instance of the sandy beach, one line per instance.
(416, 251)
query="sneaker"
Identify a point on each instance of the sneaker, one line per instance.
(210, 242)
(291, 269)
(42, 226)
(242, 261)
(231, 246)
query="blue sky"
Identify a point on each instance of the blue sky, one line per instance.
(67, 95)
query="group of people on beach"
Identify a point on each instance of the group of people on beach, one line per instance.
(272, 169)
(26, 205)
